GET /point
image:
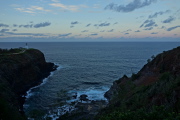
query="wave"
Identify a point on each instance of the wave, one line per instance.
(29, 93)
(93, 93)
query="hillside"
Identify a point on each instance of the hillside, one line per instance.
(19, 71)
(152, 93)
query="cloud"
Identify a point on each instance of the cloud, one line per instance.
(88, 25)
(168, 20)
(14, 30)
(111, 30)
(136, 4)
(140, 17)
(84, 31)
(94, 34)
(3, 25)
(32, 9)
(172, 28)
(150, 28)
(115, 23)
(65, 35)
(26, 26)
(128, 30)
(74, 23)
(73, 8)
(154, 33)
(149, 23)
(25, 34)
(45, 24)
(137, 31)
(102, 24)
(4, 30)
(163, 27)
(71, 26)
(24, 10)
(158, 13)
(126, 33)
(15, 25)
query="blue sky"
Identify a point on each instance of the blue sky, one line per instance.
(89, 20)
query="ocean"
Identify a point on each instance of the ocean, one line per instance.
(84, 68)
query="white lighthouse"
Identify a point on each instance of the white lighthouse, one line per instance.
(26, 46)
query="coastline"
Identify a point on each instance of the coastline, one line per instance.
(77, 89)
(44, 80)
(152, 92)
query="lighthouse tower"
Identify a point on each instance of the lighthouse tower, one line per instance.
(26, 46)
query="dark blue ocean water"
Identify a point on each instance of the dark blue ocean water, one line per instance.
(86, 68)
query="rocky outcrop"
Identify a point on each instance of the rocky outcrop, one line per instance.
(114, 88)
(165, 63)
(18, 73)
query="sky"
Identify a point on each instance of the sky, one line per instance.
(89, 20)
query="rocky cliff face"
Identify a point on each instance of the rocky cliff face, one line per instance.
(18, 73)
(156, 84)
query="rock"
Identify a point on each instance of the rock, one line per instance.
(74, 96)
(83, 97)
(85, 111)
(112, 91)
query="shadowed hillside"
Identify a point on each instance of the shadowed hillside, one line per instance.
(152, 93)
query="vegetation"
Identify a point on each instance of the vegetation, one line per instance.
(11, 51)
(145, 102)
(157, 113)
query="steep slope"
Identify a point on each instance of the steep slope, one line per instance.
(152, 93)
(18, 73)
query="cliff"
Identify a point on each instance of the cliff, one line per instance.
(18, 73)
(152, 93)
